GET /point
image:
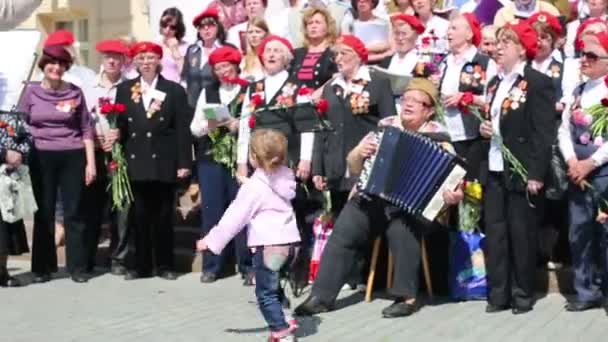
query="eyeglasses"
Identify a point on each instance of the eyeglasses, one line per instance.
(592, 56)
(409, 99)
(168, 23)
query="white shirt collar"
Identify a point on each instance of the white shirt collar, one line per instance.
(99, 83)
(544, 65)
(152, 85)
(517, 70)
(467, 56)
(361, 75)
(216, 44)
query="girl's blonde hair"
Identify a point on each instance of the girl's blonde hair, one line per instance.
(251, 57)
(268, 148)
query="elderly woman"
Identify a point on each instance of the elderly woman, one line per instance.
(585, 152)
(157, 145)
(596, 9)
(313, 64)
(251, 66)
(63, 159)
(521, 110)
(215, 172)
(433, 40)
(465, 70)
(197, 73)
(364, 217)
(358, 99)
(406, 29)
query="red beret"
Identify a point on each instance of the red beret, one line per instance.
(142, 47)
(602, 38)
(60, 37)
(414, 22)
(225, 54)
(209, 12)
(112, 46)
(271, 38)
(526, 35)
(549, 19)
(354, 43)
(475, 27)
(57, 52)
(583, 26)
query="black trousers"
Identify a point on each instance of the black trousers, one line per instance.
(63, 171)
(511, 232)
(151, 219)
(472, 152)
(97, 204)
(359, 223)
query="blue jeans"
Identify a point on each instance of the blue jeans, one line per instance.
(268, 291)
(218, 189)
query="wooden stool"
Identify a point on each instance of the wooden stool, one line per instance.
(390, 269)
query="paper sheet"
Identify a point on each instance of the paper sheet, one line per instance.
(216, 112)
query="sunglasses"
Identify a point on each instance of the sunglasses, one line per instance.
(164, 24)
(592, 56)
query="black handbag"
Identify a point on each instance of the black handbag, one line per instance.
(557, 183)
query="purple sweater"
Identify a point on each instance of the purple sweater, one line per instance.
(58, 120)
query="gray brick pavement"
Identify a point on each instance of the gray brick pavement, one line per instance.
(110, 309)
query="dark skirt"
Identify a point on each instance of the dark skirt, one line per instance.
(13, 240)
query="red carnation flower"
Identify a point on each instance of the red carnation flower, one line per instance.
(322, 107)
(252, 121)
(466, 100)
(605, 102)
(119, 108)
(426, 40)
(256, 100)
(113, 166)
(606, 80)
(106, 108)
(305, 91)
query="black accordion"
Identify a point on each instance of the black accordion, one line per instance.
(411, 171)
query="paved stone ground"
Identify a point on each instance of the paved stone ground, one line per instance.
(110, 309)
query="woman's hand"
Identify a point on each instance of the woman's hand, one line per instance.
(486, 130)
(453, 197)
(452, 100)
(367, 147)
(602, 217)
(320, 182)
(233, 125)
(534, 186)
(241, 173)
(110, 139)
(580, 169)
(303, 171)
(90, 173)
(13, 159)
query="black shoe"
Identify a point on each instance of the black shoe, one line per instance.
(491, 308)
(118, 269)
(168, 275)
(399, 309)
(7, 281)
(131, 275)
(40, 278)
(248, 279)
(581, 306)
(208, 277)
(79, 278)
(312, 306)
(519, 310)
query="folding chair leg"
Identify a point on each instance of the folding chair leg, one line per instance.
(389, 271)
(372, 270)
(426, 269)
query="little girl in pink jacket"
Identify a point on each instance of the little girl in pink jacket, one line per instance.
(264, 203)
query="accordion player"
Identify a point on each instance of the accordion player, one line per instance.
(363, 217)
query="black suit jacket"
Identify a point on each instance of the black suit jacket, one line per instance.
(331, 148)
(324, 69)
(156, 147)
(527, 131)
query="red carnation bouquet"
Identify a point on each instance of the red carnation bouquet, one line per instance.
(122, 196)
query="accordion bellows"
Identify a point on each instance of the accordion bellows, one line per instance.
(411, 171)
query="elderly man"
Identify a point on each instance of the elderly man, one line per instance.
(96, 199)
(354, 228)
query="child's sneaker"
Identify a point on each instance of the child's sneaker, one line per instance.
(288, 338)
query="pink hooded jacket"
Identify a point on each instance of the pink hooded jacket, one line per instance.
(263, 202)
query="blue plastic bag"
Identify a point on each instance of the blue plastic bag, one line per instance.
(467, 266)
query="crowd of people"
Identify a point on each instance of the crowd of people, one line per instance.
(522, 98)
